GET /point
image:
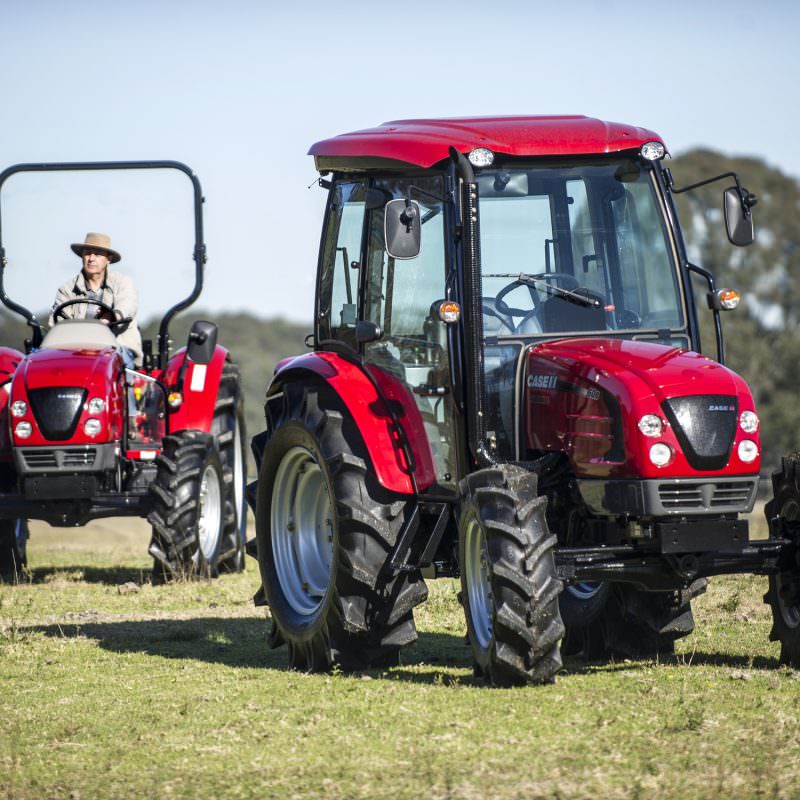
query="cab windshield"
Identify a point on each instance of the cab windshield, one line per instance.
(576, 249)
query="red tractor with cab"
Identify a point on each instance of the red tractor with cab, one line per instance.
(84, 436)
(505, 384)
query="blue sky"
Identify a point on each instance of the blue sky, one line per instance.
(240, 90)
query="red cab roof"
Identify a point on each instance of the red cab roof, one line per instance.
(423, 142)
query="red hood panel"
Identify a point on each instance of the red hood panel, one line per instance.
(584, 397)
(69, 367)
(667, 371)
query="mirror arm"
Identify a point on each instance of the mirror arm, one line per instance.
(748, 198)
(704, 273)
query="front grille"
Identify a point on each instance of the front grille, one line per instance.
(49, 458)
(57, 410)
(728, 496)
(705, 426)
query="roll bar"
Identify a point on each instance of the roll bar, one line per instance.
(80, 166)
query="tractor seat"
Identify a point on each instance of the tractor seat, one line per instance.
(79, 334)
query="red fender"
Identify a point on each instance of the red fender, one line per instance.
(200, 389)
(370, 415)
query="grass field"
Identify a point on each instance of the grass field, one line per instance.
(113, 688)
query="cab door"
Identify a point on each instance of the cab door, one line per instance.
(402, 297)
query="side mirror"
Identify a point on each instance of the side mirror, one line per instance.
(202, 341)
(402, 229)
(738, 219)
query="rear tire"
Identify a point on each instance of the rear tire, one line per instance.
(509, 585)
(325, 531)
(13, 549)
(228, 430)
(187, 515)
(783, 595)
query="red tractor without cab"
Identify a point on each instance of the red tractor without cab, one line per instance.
(505, 384)
(83, 437)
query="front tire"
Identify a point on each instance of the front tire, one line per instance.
(509, 585)
(325, 532)
(187, 515)
(783, 595)
(13, 549)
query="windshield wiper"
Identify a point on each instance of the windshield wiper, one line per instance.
(533, 280)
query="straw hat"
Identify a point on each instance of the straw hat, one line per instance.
(97, 241)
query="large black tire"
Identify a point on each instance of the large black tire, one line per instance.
(13, 549)
(188, 511)
(325, 530)
(783, 595)
(633, 623)
(230, 438)
(509, 585)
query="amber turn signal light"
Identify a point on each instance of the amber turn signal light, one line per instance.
(449, 311)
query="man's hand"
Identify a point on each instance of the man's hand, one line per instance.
(105, 316)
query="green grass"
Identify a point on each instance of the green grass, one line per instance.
(113, 688)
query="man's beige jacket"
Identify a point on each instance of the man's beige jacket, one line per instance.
(118, 292)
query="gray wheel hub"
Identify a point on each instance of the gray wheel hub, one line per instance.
(478, 579)
(210, 516)
(301, 526)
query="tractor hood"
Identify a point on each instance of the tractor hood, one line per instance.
(665, 371)
(56, 384)
(586, 397)
(91, 369)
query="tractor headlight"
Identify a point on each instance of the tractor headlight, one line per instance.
(661, 454)
(92, 427)
(23, 429)
(97, 405)
(748, 422)
(480, 157)
(653, 151)
(748, 451)
(650, 425)
(19, 408)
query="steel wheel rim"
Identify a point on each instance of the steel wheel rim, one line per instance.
(790, 511)
(301, 526)
(478, 580)
(238, 478)
(584, 590)
(210, 516)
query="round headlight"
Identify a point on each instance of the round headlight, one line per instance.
(748, 451)
(91, 427)
(97, 405)
(653, 151)
(19, 408)
(481, 157)
(748, 422)
(23, 429)
(661, 454)
(650, 425)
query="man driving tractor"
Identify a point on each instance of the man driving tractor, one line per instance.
(114, 290)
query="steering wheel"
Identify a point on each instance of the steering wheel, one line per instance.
(511, 311)
(58, 311)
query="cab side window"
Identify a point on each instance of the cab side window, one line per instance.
(341, 254)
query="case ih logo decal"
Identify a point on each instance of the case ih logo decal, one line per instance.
(722, 408)
(542, 381)
(68, 395)
(552, 382)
